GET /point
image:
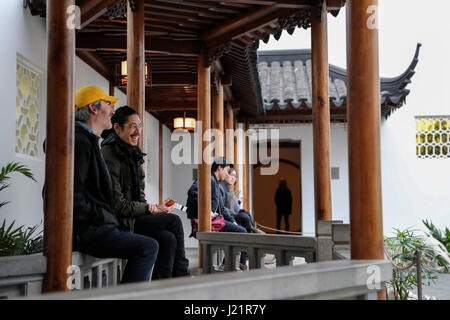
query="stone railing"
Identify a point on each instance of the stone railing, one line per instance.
(23, 275)
(284, 248)
(333, 237)
(343, 279)
(89, 272)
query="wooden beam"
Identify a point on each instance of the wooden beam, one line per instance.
(321, 115)
(92, 9)
(97, 63)
(58, 196)
(363, 85)
(171, 105)
(93, 41)
(299, 4)
(204, 167)
(240, 26)
(136, 62)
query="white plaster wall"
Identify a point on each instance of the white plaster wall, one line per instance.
(26, 35)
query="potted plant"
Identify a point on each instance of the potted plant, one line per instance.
(22, 264)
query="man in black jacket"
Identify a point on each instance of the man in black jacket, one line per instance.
(96, 229)
(219, 171)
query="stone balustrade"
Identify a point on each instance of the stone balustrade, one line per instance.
(343, 279)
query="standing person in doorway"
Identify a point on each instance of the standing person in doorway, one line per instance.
(125, 159)
(283, 201)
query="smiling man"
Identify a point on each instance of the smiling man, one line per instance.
(125, 159)
(96, 229)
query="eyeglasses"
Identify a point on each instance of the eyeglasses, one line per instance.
(135, 126)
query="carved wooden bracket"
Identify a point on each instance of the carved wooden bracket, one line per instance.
(218, 52)
(117, 10)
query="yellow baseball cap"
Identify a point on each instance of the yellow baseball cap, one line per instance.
(89, 94)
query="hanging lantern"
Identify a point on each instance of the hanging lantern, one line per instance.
(184, 123)
(124, 71)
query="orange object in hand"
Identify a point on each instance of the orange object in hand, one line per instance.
(170, 202)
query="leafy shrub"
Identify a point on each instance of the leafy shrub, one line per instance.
(401, 250)
(17, 241)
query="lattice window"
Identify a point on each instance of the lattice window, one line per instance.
(433, 137)
(28, 102)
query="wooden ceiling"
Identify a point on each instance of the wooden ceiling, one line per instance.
(175, 30)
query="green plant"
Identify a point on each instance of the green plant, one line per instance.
(11, 168)
(401, 251)
(17, 241)
(442, 236)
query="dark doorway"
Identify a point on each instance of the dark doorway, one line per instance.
(264, 186)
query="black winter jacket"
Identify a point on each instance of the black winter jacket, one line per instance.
(217, 201)
(93, 215)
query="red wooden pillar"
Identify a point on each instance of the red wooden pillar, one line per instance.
(363, 113)
(58, 199)
(204, 167)
(136, 62)
(321, 114)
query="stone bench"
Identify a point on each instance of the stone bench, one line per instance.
(284, 247)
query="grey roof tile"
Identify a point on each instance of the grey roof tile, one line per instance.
(286, 79)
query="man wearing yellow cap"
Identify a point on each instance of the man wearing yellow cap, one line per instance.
(96, 229)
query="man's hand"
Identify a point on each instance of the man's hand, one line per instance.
(162, 207)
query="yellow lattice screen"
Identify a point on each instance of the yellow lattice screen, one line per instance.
(27, 110)
(433, 137)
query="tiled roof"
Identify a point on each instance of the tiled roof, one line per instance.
(285, 77)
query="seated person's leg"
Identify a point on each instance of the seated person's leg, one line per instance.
(243, 219)
(151, 225)
(140, 251)
(166, 254)
(231, 227)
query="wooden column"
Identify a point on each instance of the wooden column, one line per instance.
(218, 119)
(229, 133)
(161, 162)
(58, 199)
(321, 114)
(136, 62)
(236, 155)
(204, 167)
(363, 114)
(245, 174)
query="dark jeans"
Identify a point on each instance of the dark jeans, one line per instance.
(243, 219)
(286, 221)
(167, 229)
(140, 251)
(231, 227)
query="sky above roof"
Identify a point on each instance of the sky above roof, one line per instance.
(402, 23)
